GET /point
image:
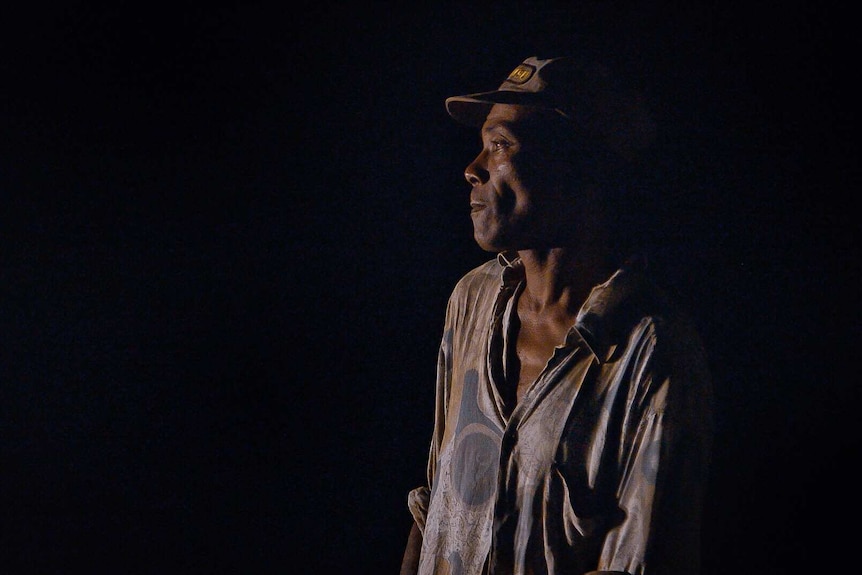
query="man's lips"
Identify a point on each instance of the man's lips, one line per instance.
(476, 206)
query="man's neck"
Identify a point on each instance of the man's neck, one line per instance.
(560, 279)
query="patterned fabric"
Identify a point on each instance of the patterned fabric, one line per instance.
(599, 468)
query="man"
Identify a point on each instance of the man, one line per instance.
(573, 416)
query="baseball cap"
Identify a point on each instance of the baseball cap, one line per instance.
(586, 93)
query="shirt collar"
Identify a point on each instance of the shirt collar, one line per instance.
(605, 309)
(513, 269)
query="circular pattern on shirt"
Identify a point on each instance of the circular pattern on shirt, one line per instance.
(475, 463)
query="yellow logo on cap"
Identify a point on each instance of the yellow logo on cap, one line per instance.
(521, 74)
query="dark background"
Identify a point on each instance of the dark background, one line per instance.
(229, 233)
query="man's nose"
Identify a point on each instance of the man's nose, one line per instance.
(476, 173)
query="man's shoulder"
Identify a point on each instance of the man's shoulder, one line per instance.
(488, 272)
(472, 299)
(490, 269)
(634, 301)
(485, 277)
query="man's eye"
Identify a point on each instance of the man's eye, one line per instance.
(497, 145)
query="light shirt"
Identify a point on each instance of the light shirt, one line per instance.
(601, 465)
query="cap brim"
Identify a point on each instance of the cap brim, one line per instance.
(472, 109)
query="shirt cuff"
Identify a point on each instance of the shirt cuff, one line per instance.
(417, 502)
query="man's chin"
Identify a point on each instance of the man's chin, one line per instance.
(486, 245)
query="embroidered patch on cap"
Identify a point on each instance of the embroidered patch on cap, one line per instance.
(521, 74)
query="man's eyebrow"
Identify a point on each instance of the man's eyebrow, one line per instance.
(497, 125)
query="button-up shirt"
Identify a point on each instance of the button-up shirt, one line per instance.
(600, 467)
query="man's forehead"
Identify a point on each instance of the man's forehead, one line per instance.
(514, 117)
(501, 113)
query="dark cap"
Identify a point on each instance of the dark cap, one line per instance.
(586, 94)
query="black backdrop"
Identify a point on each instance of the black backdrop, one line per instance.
(229, 233)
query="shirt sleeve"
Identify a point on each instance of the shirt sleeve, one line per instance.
(417, 503)
(419, 498)
(663, 460)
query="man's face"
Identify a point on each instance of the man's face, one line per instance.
(517, 198)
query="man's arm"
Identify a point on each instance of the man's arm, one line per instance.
(410, 562)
